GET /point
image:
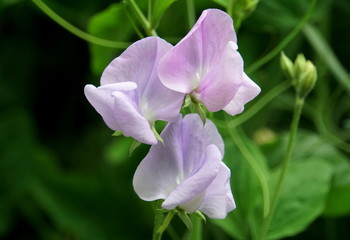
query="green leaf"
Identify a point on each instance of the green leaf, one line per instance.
(246, 190)
(112, 24)
(313, 146)
(159, 8)
(339, 197)
(302, 198)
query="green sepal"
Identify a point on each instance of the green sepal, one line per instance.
(133, 146)
(185, 219)
(156, 134)
(200, 111)
(188, 101)
(200, 214)
(117, 133)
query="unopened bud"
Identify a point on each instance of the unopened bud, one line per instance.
(308, 80)
(299, 66)
(302, 73)
(287, 66)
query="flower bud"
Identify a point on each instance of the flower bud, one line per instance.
(302, 73)
(287, 66)
(299, 66)
(308, 80)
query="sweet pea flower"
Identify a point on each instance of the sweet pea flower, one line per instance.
(187, 171)
(131, 97)
(206, 65)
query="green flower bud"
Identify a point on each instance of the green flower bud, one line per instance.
(299, 67)
(240, 9)
(302, 73)
(307, 82)
(287, 66)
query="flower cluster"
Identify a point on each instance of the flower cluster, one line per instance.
(149, 82)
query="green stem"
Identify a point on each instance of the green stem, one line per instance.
(229, 8)
(76, 31)
(166, 222)
(292, 137)
(321, 46)
(285, 41)
(237, 138)
(191, 12)
(150, 10)
(142, 19)
(196, 233)
(158, 220)
(132, 21)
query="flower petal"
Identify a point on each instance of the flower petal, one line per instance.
(183, 67)
(247, 91)
(138, 64)
(220, 85)
(158, 173)
(218, 199)
(195, 138)
(101, 99)
(132, 123)
(196, 184)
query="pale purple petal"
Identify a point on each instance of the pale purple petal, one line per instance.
(220, 85)
(132, 122)
(247, 91)
(184, 66)
(102, 100)
(139, 64)
(157, 174)
(198, 182)
(195, 138)
(218, 199)
(185, 171)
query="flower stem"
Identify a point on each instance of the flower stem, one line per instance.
(142, 19)
(238, 137)
(285, 41)
(158, 220)
(76, 31)
(292, 137)
(322, 48)
(196, 233)
(191, 13)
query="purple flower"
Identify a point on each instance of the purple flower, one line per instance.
(206, 65)
(187, 171)
(131, 97)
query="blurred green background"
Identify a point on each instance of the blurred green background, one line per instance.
(62, 174)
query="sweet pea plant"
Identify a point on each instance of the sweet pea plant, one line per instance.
(150, 81)
(198, 87)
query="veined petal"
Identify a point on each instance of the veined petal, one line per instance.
(246, 92)
(183, 67)
(161, 170)
(138, 64)
(218, 199)
(132, 123)
(101, 99)
(196, 184)
(195, 138)
(220, 85)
